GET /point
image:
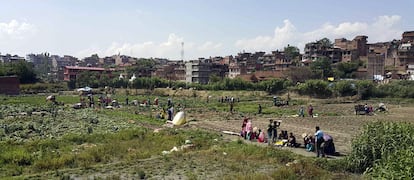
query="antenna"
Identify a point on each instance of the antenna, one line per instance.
(182, 51)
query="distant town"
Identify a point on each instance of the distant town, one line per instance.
(378, 61)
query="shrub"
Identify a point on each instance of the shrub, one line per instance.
(400, 164)
(379, 144)
(316, 88)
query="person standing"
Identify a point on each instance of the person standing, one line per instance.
(301, 111)
(260, 109)
(310, 110)
(276, 124)
(319, 140)
(270, 132)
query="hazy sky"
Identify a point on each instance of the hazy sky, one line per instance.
(155, 28)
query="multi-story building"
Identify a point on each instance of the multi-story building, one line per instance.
(173, 70)
(406, 50)
(198, 71)
(71, 72)
(10, 59)
(236, 70)
(408, 37)
(58, 64)
(317, 50)
(250, 61)
(92, 61)
(352, 50)
(375, 66)
(390, 51)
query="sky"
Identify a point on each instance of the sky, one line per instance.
(157, 28)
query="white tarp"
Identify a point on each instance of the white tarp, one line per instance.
(85, 89)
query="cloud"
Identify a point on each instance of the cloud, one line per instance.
(383, 28)
(16, 30)
(171, 49)
(379, 29)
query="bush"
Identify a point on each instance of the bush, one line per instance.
(316, 88)
(43, 88)
(400, 164)
(381, 145)
(345, 88)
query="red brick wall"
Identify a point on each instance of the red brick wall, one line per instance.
(9, 85)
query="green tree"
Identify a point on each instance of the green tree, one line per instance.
(214, 78)
(87, 78)
(142, 67)
(346, 69)
(292, 53)
(315, 88)
(325, 42)
(24, 70)
(322, 68)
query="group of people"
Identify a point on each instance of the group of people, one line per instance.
(321, 143)
(302, 111)
(251, 133)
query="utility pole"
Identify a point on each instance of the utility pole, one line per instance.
(182, 51)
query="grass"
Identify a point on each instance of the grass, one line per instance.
(81, 142)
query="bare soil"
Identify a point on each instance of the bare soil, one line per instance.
(342, 127)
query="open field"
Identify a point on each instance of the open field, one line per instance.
(121, 144)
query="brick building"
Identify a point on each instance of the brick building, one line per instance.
(70, 72)
(352, 50)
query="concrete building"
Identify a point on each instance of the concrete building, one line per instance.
(198, 71)
(11, 59)
(236, 70)
(406, 50)
(316, 50)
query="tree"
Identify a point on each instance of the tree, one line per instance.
(24, 70)
(321, 68)
(346, 69)
(292, 54)
(142, 66)
(214, 78)
(325, 42)
(299, 74)
(87, 78)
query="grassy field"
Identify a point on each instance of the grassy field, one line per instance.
(128, 142)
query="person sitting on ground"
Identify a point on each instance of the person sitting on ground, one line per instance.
(292, 140)
(254, 134)
(285, 135)
(261, 137)
(280, 135)
(309, 143)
